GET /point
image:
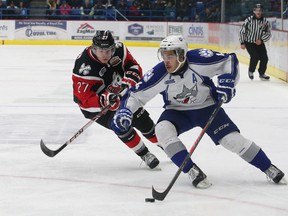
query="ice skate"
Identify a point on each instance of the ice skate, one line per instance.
(264, 77)
(276, 175)
(199, 179)
(250, 75)
(150, 160)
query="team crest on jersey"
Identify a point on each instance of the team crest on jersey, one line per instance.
(116, 83)
(102, 71)
(148, 75)
(84, 69)
(115, 60)
(206, 53)
(187, 96)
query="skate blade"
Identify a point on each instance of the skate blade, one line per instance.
(283, 181)
(143, 165)
(157, 168)
(204, 184)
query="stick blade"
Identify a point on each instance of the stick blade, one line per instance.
(45, 150)
(159, 195)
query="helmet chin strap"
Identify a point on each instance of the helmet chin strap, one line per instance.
(180, 64)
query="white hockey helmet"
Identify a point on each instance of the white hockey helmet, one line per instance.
(174, 42)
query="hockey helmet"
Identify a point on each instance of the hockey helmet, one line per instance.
(103, 40)
(174, 42)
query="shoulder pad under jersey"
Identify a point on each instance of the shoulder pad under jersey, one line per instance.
(204, 56)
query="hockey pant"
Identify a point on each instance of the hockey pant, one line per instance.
(257, 53)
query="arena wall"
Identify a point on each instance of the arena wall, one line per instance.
(221, 37)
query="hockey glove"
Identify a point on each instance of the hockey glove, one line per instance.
(110, 99)
(122, 121)
(225, 89)
(130, 79)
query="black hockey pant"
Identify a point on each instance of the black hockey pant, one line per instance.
(257, 53)
(141, 121)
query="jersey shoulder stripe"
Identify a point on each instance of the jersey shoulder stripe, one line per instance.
(152, 77)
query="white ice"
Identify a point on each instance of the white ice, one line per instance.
(98, 175)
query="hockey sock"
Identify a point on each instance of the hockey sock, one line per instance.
(179, 157)
(153, 139)
(134, 142)
(261, 161)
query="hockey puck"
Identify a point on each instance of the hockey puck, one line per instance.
(149, 200)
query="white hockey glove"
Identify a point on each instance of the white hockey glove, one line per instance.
(122, 121)
(226, 90)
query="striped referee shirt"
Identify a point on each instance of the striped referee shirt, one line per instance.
(254, 29)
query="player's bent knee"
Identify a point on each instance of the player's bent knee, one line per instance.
(167, 137)
(238, 144)
(166, 133)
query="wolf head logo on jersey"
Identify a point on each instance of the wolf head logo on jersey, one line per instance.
(187, 96)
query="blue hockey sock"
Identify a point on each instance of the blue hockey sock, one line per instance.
(261, 161)
(179, 157)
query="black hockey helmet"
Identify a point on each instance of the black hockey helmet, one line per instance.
(258, 6)
(103, 40)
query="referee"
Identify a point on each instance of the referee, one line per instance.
(254, 32)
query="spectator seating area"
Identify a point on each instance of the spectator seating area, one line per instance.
(144, 10)
(141, 10)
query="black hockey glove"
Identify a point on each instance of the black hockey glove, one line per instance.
(130, 79)
(111, 99)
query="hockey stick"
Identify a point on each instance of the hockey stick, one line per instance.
(52, 153)
(161, 195)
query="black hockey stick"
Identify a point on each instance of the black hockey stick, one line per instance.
(161, 195)
(52, 153)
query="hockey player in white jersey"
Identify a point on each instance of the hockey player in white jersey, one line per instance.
(184, 78)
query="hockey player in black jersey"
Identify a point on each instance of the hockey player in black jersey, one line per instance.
(101, 74)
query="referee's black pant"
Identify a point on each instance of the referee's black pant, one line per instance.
(257, 53)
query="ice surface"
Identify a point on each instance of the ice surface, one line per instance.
(98, 175)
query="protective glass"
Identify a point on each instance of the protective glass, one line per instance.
(103, 52)
(166, 56)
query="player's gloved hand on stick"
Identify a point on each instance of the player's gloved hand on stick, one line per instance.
(112, 99)
(225, 89)
(130, 79)
(122, 120)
